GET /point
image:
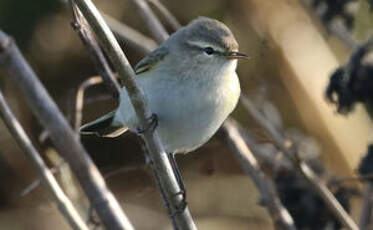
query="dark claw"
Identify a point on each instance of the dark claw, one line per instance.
(153, 123)
(182, 205)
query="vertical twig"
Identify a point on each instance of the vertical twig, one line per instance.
(62, 135)
(102, 66)
(156, 28)
(303, 168)
(167, 180)
(63, 203)
(166, 13)
(267, 190)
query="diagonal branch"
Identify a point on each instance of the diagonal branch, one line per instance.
(102, 66)
(63, 203)
(153, 24)
(163, 170)
(303, 168)
(278, 212)
(130, 36)
(62, 135)
(170, 18)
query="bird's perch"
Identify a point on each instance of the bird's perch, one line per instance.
(62, 135)
(163, 170)
(278, 212)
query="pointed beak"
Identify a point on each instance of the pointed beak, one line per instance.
(235, 55)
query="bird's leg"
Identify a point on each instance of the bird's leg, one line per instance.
(153, 123)
(175, 168)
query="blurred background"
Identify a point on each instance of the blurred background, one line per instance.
(294, 49)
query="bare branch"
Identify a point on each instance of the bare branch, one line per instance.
(102, 66)
(278, 212)
(79, 100)
(163, 171)
(37, 182)
(153, 24)
(31, 187)
(166, 13)
(63, 203)
(283, 144)
(62, 135)
(131, 36)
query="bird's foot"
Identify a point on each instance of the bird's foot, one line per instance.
(181, 205)
(152, 124)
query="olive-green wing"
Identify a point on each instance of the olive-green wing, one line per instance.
(151, 60)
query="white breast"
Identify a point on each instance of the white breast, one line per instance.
(189, 112)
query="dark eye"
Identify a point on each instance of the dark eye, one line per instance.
(208, 50)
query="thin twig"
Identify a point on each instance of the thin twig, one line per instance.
(62, 135)
(305, 170)
(36, 183)
(63, 203)
(278, 212)
(162, 167)
(170, 18)
(31, 187)
(153, 24)
(102, 66)
(124, 169)
(79, 100)
(361, 178)
(79, 104)
(130, 36)
(275, 159)
(366, 213)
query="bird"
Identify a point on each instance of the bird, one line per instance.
(190, 84)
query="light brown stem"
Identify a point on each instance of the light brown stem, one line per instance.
(62, 135)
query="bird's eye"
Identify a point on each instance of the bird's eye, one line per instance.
(208, 50)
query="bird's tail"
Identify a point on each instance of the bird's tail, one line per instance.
(104, 127)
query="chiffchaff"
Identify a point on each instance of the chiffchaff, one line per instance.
(190, 83)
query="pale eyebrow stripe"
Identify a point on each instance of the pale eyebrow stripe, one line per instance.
(202, 45)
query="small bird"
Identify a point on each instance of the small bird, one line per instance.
(190, 83)
(191, 86)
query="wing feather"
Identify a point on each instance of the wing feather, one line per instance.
(151, 60)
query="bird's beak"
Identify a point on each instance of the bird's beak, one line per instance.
(236, 55)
